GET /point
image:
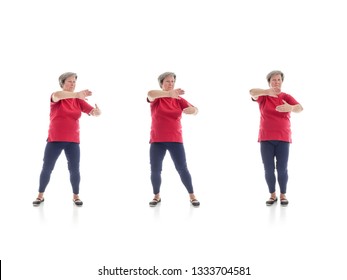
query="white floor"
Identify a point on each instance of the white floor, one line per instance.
(117, 228)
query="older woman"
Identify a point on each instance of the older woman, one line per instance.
(63, 134)
(167, 106)
(275, 132)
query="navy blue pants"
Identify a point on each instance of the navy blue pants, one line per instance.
(52, 152)
(279, 150)
(178, 155)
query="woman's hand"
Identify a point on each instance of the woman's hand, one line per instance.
(284, 108)
(190, 110)
(83, 94)
(96, 111)
(273, 92)
(175, 93)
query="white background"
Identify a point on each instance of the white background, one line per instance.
(219, 50)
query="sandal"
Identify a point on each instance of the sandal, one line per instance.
(38, 201)
(284, 201)
(78, 202)
(154, 202)
(195, 202)
(271, 201)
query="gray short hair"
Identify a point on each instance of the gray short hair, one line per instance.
(64, 76)
(273, 73)
(164, 75)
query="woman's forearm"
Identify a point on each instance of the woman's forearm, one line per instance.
(297, 108)
(59, 95)
(255, 92)
(63, 95)
(153, 94)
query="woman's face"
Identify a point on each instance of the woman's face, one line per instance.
(69, 84)
(168, 83)
(276, 81)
